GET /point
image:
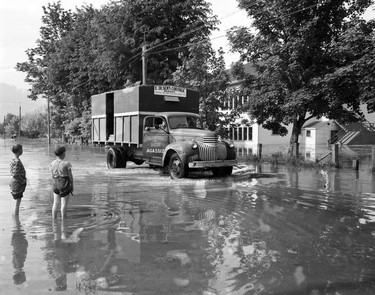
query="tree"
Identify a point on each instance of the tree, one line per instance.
(203, 69)
(311, 57)
(34, 124)
(41, 68)
(13, 125)
(96, 50)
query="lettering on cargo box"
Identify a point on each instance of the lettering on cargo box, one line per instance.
(169, 90)
(155, 151)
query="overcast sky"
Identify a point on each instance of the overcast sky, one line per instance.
(20, 21)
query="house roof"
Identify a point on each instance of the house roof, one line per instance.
(315, 125)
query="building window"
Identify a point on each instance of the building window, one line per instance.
(245, 133)
(308, 133)
(242, 133)
(235, 133)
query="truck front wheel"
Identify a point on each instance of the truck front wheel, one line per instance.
(114, 159)
(177, 168)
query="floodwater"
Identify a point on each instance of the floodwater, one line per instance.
(135, 231)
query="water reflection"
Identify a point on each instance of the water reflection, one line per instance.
(61, 254)
(19, 244)
(135, 231)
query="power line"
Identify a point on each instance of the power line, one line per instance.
(191, 31)
(221, 36)
(217, 37)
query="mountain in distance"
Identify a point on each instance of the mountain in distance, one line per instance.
(12, 98)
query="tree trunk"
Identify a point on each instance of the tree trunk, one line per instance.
(294, 144)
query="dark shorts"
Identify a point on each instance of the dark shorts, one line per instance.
(17, 187)
(61, 186)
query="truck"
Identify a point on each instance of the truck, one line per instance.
(158, 125)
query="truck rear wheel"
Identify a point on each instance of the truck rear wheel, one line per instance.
(114, 159)
(177, 168)
(222, 171)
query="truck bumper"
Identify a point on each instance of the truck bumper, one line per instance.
(210, 164)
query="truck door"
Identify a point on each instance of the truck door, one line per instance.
(155, 139)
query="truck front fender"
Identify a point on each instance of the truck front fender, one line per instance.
(183, 149)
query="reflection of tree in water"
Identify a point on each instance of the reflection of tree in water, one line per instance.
(294, 240)
(19, 244)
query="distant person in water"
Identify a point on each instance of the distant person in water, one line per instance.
(18, 182)
(62, 185)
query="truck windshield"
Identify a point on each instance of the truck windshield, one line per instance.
(185, 121)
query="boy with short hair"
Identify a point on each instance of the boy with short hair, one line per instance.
(62, 182)
(18, 182)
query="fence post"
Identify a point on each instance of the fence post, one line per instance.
(259, 150)
(335, 154)
(355, 164)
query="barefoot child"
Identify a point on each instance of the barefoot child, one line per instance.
(62, 182)
(18, 182)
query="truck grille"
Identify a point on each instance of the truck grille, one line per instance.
(211, 149)
(211, 141)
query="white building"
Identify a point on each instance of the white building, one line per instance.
(315, 138)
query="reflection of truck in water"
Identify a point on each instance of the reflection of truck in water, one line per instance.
(160, 126)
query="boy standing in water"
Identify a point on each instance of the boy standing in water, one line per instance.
(62, 182)
(18, 182)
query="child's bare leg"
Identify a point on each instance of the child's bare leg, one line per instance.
(64, 205)
(55, 206)
(16, 207)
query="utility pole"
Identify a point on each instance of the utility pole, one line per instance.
(19, 129)
(48, 121)
(144, 58)
(144, 64)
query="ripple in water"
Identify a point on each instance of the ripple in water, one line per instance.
(85, 217)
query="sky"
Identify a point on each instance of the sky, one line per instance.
(20, 21)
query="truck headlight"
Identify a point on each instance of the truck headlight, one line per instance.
(194, 145)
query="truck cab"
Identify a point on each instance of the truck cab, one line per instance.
(172, 137)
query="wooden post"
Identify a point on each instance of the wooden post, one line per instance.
(259, 150)
(144, 64)
(258, 168)
(48, 121)
(373, 159)
(355, 164)
(19, 129)
(335, 154)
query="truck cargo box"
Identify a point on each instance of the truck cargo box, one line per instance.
(117, 116)
(102, 116)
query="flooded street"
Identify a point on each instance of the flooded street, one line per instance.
(136, 231)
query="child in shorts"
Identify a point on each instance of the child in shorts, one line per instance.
(62, 185)
(18, 182)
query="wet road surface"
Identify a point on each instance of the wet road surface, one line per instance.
(136, 231)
